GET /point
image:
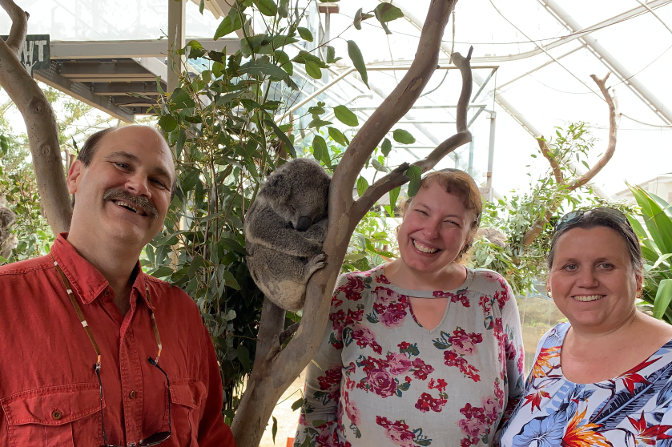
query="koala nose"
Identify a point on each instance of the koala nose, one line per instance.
(304, 223)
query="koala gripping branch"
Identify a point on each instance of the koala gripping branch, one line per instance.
(275, 368)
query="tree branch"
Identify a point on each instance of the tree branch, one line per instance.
(613, 128)
(536, 229)
(40, 125)
(264, 389)
(546, 152)
(398, 176)
(17, 34)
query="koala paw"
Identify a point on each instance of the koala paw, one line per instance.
(317, 262)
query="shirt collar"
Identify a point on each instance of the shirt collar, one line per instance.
(85, 279)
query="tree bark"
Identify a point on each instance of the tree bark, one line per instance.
(570, 185)
(276, 368)
(40, 123)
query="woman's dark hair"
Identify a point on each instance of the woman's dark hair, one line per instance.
(462, 185)
(599, 217)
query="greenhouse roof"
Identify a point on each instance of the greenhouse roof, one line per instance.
(532, 58)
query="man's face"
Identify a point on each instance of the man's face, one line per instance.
(125, 191)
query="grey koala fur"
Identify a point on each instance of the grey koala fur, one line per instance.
(284, 231)
(8, 241)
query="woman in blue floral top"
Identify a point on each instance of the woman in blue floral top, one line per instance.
(605, 377)
(421, 351)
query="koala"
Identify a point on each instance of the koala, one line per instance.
(284, 231)
(493, 235)
(8, 240)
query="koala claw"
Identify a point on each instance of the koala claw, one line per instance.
(315, 264)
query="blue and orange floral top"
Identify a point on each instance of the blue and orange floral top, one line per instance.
(633, 409)
(380, 378)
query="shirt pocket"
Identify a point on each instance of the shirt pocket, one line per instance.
(54, 416)
(186, 397)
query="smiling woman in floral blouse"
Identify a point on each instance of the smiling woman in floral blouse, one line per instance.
(421, 351)
(604, 378)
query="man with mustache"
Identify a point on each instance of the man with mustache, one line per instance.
(94, 351)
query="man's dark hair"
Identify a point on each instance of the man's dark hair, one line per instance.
(87, 151)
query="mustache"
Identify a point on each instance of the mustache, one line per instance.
(137, 201)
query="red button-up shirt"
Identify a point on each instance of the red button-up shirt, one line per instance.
(49, 393)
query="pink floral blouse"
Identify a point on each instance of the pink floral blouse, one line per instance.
(379, 376)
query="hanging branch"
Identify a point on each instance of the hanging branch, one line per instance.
(40, 122)
(570, 185)
(398, 176)
(275, 368)
(555, 166)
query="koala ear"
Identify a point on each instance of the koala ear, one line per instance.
(277, 187)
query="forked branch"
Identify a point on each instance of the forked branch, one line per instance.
(276, 368)
(570, 185)
(17, 34)
(40, 123)
(555, 166)
(398, 176)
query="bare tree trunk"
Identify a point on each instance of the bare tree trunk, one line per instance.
(276, 368)
(40, 122)
(572, 184)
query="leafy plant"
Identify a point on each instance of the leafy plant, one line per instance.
(226, 126)
(656, 238)
(520, 262)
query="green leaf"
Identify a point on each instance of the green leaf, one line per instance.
(362, 186)
(263, 69)
(386, 147)
(266, 7)
(663, 298)
(195, 49)
(319, 147)
(394, 195)
(305, 33)
(274, 429)
(201, 6)
(338, 136)
(230, 280)
(414, 173)
(358, 19)
(228, 25)
(168, 123)
(313, 70)
(358, 61)
(346, 116)
(331, 55)
(244, 356)
(661, 259)
(317, 123)
(402, 136)
(282, 136)
(297, 404)
(388, 12)
(162, 272)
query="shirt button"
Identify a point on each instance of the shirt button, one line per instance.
(131, 395)
(56, 414)
(106, 292)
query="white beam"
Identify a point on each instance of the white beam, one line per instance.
(611, 62)
(128, 49)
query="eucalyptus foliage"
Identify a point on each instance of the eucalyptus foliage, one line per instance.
(230, 127)
(523, 265)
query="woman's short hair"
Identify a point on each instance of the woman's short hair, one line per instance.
(460, 184)
(599, 217)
